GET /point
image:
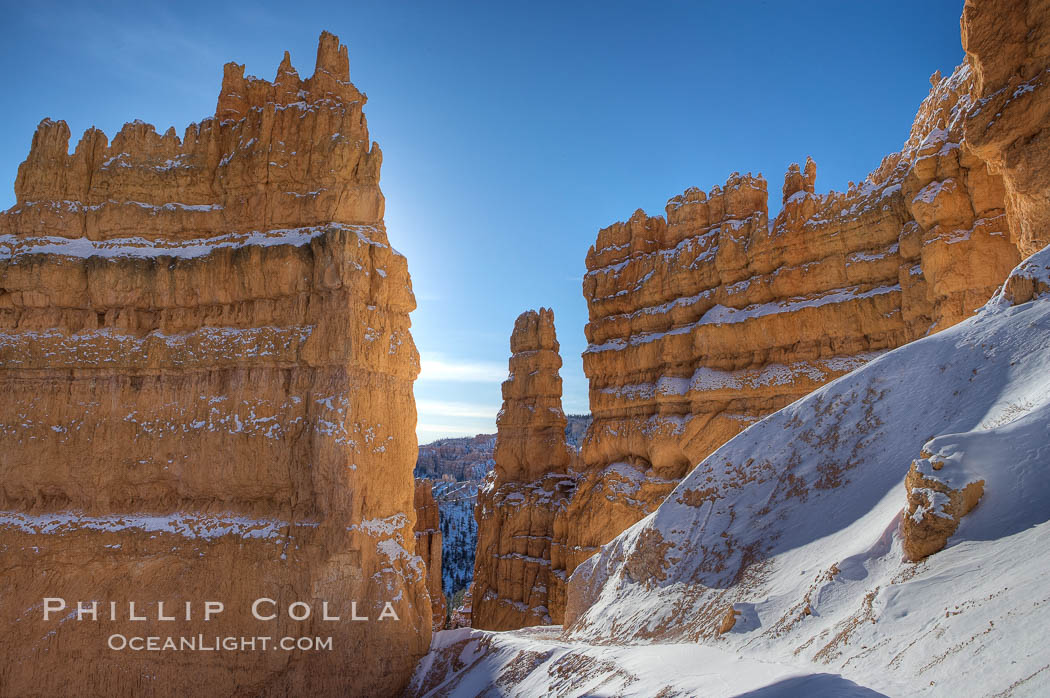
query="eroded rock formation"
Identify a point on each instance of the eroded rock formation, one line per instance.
(207, 369)
(529, 485)
(706, 320)
(428, 547)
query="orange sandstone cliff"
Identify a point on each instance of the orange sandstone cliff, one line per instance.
(531, 482)
(1007, 45)
(706, 320)
(207, 369)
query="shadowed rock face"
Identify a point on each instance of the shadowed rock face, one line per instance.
(707, 320)
(207, 364)
(428, 547)
(529, 485)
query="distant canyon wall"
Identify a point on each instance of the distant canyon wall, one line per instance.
(207, 368)
(463, 458)
(466, 458)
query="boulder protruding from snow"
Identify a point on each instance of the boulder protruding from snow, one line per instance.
(1030, 279)
(935, 507)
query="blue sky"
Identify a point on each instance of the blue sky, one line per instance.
(511, 132)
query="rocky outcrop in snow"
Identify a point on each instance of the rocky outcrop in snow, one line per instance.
(1029, 280)
(935, 507)
(529, 485)
(207, 369)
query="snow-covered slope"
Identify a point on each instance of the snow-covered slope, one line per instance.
(534, 662)
(784, 547)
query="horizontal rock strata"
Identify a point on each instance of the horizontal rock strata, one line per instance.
(207, 364)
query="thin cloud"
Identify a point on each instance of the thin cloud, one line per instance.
(445, 429)
(461, 371)
(456, 409)
(428, 433)
(440, 419)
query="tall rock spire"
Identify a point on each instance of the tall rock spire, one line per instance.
(530, 484)
(531, 425)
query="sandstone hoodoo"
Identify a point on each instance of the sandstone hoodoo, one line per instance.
(530, 483)
(707, 320)
(428, 547)
(207, 364)
(457, 468)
